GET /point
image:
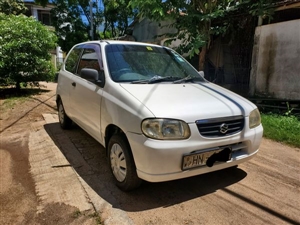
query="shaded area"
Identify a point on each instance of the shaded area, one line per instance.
(6, 93)
(88, 158)
(152, 202)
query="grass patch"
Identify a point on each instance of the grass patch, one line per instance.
(11, 102)
(7, 93)
(282, 128)
(11, 96)
(97, 217)
(76, 214)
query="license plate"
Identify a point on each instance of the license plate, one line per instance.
(197, 159)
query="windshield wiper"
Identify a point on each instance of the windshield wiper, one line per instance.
(188, 78)
(155, 79)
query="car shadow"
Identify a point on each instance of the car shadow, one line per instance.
(88, 158)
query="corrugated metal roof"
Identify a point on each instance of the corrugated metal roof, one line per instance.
(286, 2)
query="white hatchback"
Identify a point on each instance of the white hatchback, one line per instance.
(157, 117)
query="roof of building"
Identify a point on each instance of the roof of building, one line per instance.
(286, 2)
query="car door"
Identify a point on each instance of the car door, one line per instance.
(86, 96)
(68, 70)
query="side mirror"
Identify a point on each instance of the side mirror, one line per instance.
(93, 76)
(201, 73)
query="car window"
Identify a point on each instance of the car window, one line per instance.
(89, 59)
(127, 63)
(72, 60)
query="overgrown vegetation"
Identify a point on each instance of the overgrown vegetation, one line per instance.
(12, 7)
(72, 28)
(282, 128)
(196, 21)
(25, 46)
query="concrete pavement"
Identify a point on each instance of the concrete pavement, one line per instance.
(56, 179)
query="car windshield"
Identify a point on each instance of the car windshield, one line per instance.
(148, 64)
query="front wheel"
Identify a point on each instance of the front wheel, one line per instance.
(64, 121)
(122, 164)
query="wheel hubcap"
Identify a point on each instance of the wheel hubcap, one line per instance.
(118, 162)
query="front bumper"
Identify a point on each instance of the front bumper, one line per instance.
(161, 160)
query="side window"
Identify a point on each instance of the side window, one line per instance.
(72, 60)
(89, 59)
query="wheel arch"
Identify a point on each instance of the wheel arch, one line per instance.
(115, 136)
(112, 130)
(58, 98)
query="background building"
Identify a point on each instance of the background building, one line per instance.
(43, 15)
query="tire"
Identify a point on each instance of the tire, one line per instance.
(64, 121)
(122, 164)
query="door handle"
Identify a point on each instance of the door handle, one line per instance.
(74, 84)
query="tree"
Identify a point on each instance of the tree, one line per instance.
(116, 15)
(68, 23)
(69, 27)
(67, 18)
(12, 7)
(197, 20)
(25, 46)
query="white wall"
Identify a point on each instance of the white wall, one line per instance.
(276, 61)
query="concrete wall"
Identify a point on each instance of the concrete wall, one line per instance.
(276, 61)
(150, 31)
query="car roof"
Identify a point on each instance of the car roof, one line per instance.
(107, 42)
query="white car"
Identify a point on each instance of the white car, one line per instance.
(157, 117)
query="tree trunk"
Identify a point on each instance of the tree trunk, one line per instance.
(104, 30)
(18, 86)
(202, 58)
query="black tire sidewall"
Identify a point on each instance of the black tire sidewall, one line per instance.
(67, 122)
(131, 180)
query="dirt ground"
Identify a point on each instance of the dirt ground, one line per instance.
(18, 199)
(265, 190)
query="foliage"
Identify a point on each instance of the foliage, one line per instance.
(197, 20)
(67, 19)
(106, 35)
(69, 27)
(116, 14)
(24, 50)
(12, 7)
(282, 128)
(262, 8)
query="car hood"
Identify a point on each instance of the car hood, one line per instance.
(190, 101)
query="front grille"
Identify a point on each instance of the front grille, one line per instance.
(219, 127)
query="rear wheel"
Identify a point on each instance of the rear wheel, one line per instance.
(122, 164)
(64, 121)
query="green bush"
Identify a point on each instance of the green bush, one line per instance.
(282, 128)
(25, 46)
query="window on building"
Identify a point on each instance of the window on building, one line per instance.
(44, 17)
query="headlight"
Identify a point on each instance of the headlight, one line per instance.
(165, 129)
(254, 119)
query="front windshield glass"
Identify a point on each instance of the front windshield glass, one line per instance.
(146, 64)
